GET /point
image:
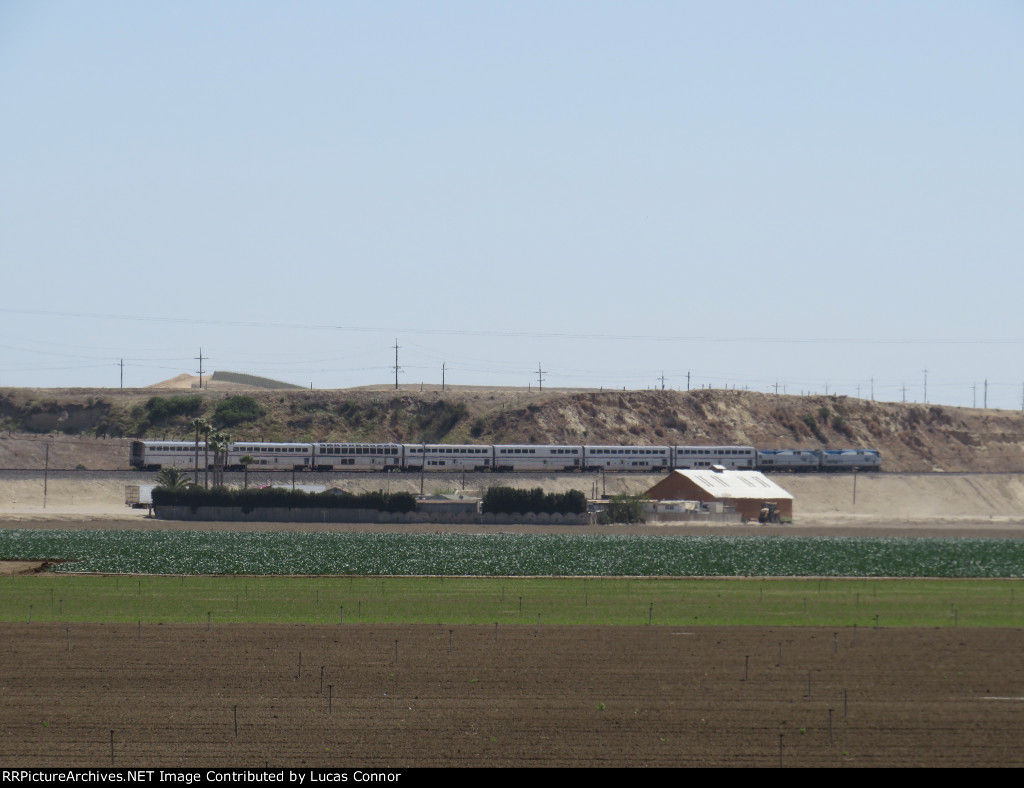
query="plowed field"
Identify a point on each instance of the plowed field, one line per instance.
(408, 696)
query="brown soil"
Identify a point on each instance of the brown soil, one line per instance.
(563, 696)
(911, 437)
(13, 568)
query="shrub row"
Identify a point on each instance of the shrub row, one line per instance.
(509, 500)
(248, 500)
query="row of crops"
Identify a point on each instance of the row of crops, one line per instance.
(523, 555)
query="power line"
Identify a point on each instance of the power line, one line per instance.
(533, 334)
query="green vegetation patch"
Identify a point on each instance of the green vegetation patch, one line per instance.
(237, 410)
(515, 555)
(511, 500)
(529, 602)
(250, 499)
(164, 410)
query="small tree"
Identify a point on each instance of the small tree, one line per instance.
(236, 410)
(173, 479)
(627, 509)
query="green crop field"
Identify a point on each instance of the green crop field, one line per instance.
(211, 578)
(512, 601)
(514, 555)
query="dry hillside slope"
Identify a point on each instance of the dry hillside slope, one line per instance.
(91, 427)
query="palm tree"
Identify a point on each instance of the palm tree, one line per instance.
(199, 425)
(246, 461)
(207, 429)
(173, 479)
(219, 442)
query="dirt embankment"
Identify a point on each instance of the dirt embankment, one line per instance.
(911, 437)
(985, 505)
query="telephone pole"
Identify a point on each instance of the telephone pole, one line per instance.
(540, 377)
(122, 373)
(662, 379)
(201, 358)
(396, 363)
(442, 375)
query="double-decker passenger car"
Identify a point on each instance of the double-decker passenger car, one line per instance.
(357, 456)
(446, 457)
(627, 458)
(154, 455)
(531, 457)
(271, 456)
(731, 457)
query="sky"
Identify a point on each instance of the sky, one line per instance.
(803, 197)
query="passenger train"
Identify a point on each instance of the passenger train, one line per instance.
(154, 455)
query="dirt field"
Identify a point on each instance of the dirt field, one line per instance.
(401, 696)
(644, 696)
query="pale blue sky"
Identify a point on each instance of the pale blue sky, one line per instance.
(806, 193)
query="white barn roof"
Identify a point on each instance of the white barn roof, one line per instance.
(735, 484)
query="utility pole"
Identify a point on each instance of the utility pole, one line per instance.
(46, 473)
(442, 375)
(396, 364)
(904, 392)
(540, 378)
(201, 358)
(662, 379)
(974, 395)
(926, 387)
(872, 389)
(122, 373)
(985, 401)
(687, 380)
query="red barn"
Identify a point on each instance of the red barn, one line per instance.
(744, 491)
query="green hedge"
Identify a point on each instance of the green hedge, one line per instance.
(276, 497)
(509, 500)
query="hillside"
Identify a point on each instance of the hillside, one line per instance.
(90, 427)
